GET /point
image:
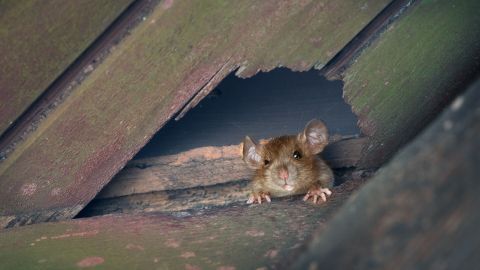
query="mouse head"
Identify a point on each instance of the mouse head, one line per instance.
(287, 160)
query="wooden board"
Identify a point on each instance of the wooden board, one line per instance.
(411, 71)
(180, 49)
(418, 212)
(239, 237)
(207, 166)
(39, 40)
(124, 199)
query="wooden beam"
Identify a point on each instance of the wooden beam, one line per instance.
(206, 166)
(148, 77)
(239, 237)
(420, 211)
(404, 78)
(197, 198)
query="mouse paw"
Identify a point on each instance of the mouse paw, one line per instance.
(317, 192)
(257, 197)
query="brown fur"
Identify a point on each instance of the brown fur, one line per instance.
(308, 172)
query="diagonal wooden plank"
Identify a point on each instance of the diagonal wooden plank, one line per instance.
(421, 210)
(39, 40)
(150, 76)
(207, 166)
(406, 76)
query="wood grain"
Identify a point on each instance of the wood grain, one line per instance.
(421, 210)
(403, 79)
(244, 237)
(207, 166)
(150, 76)
(40, 39)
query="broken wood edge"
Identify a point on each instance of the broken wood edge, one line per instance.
(73, 75)
(101, 174)
(334, 69)
(205, 197)
(425, 201)
(207, 166)
(214, 81)
(50, 215)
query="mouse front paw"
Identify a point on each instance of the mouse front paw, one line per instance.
(257, 197)
(316, 192)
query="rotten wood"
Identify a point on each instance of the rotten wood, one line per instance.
(148, 77)
(207, 166)
(405, 77)
(418, 212)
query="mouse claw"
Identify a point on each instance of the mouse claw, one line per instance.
(316, 193)
(258, 197)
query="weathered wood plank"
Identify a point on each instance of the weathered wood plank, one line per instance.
(39, 40)
(336, 67)
(149, 76)
(403, 79)
(192, 199)
(418, 212)
(239, 237)
(206, 166)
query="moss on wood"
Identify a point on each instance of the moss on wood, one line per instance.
(40, 39)
(241, 237)
(399, 83)
(149, 76)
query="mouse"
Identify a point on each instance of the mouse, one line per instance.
(290, 165)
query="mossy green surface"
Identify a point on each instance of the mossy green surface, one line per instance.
(39, 40)
(242, 237)
(412, 70)
(150, 75)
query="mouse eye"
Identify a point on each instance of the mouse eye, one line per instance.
(266, 162)
(297, 155)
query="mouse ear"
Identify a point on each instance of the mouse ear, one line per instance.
(314, 136)
(251, 153)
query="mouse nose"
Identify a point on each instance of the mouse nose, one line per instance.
(283, 174)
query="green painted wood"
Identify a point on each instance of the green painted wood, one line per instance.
(420, 211)
(180, 47)
(39, 40)
(402, 80)
(239, 237)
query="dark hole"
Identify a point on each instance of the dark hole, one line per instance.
(267, 105)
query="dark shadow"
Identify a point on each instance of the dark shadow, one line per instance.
(267, 105)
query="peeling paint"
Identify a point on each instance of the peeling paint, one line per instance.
(226, 268)
(187, 254)
(192, 267)
(77, 234)
(134, 247)
(90, 262)
(172, 243)
(254, 233)
(166, 4)
(29, 189)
